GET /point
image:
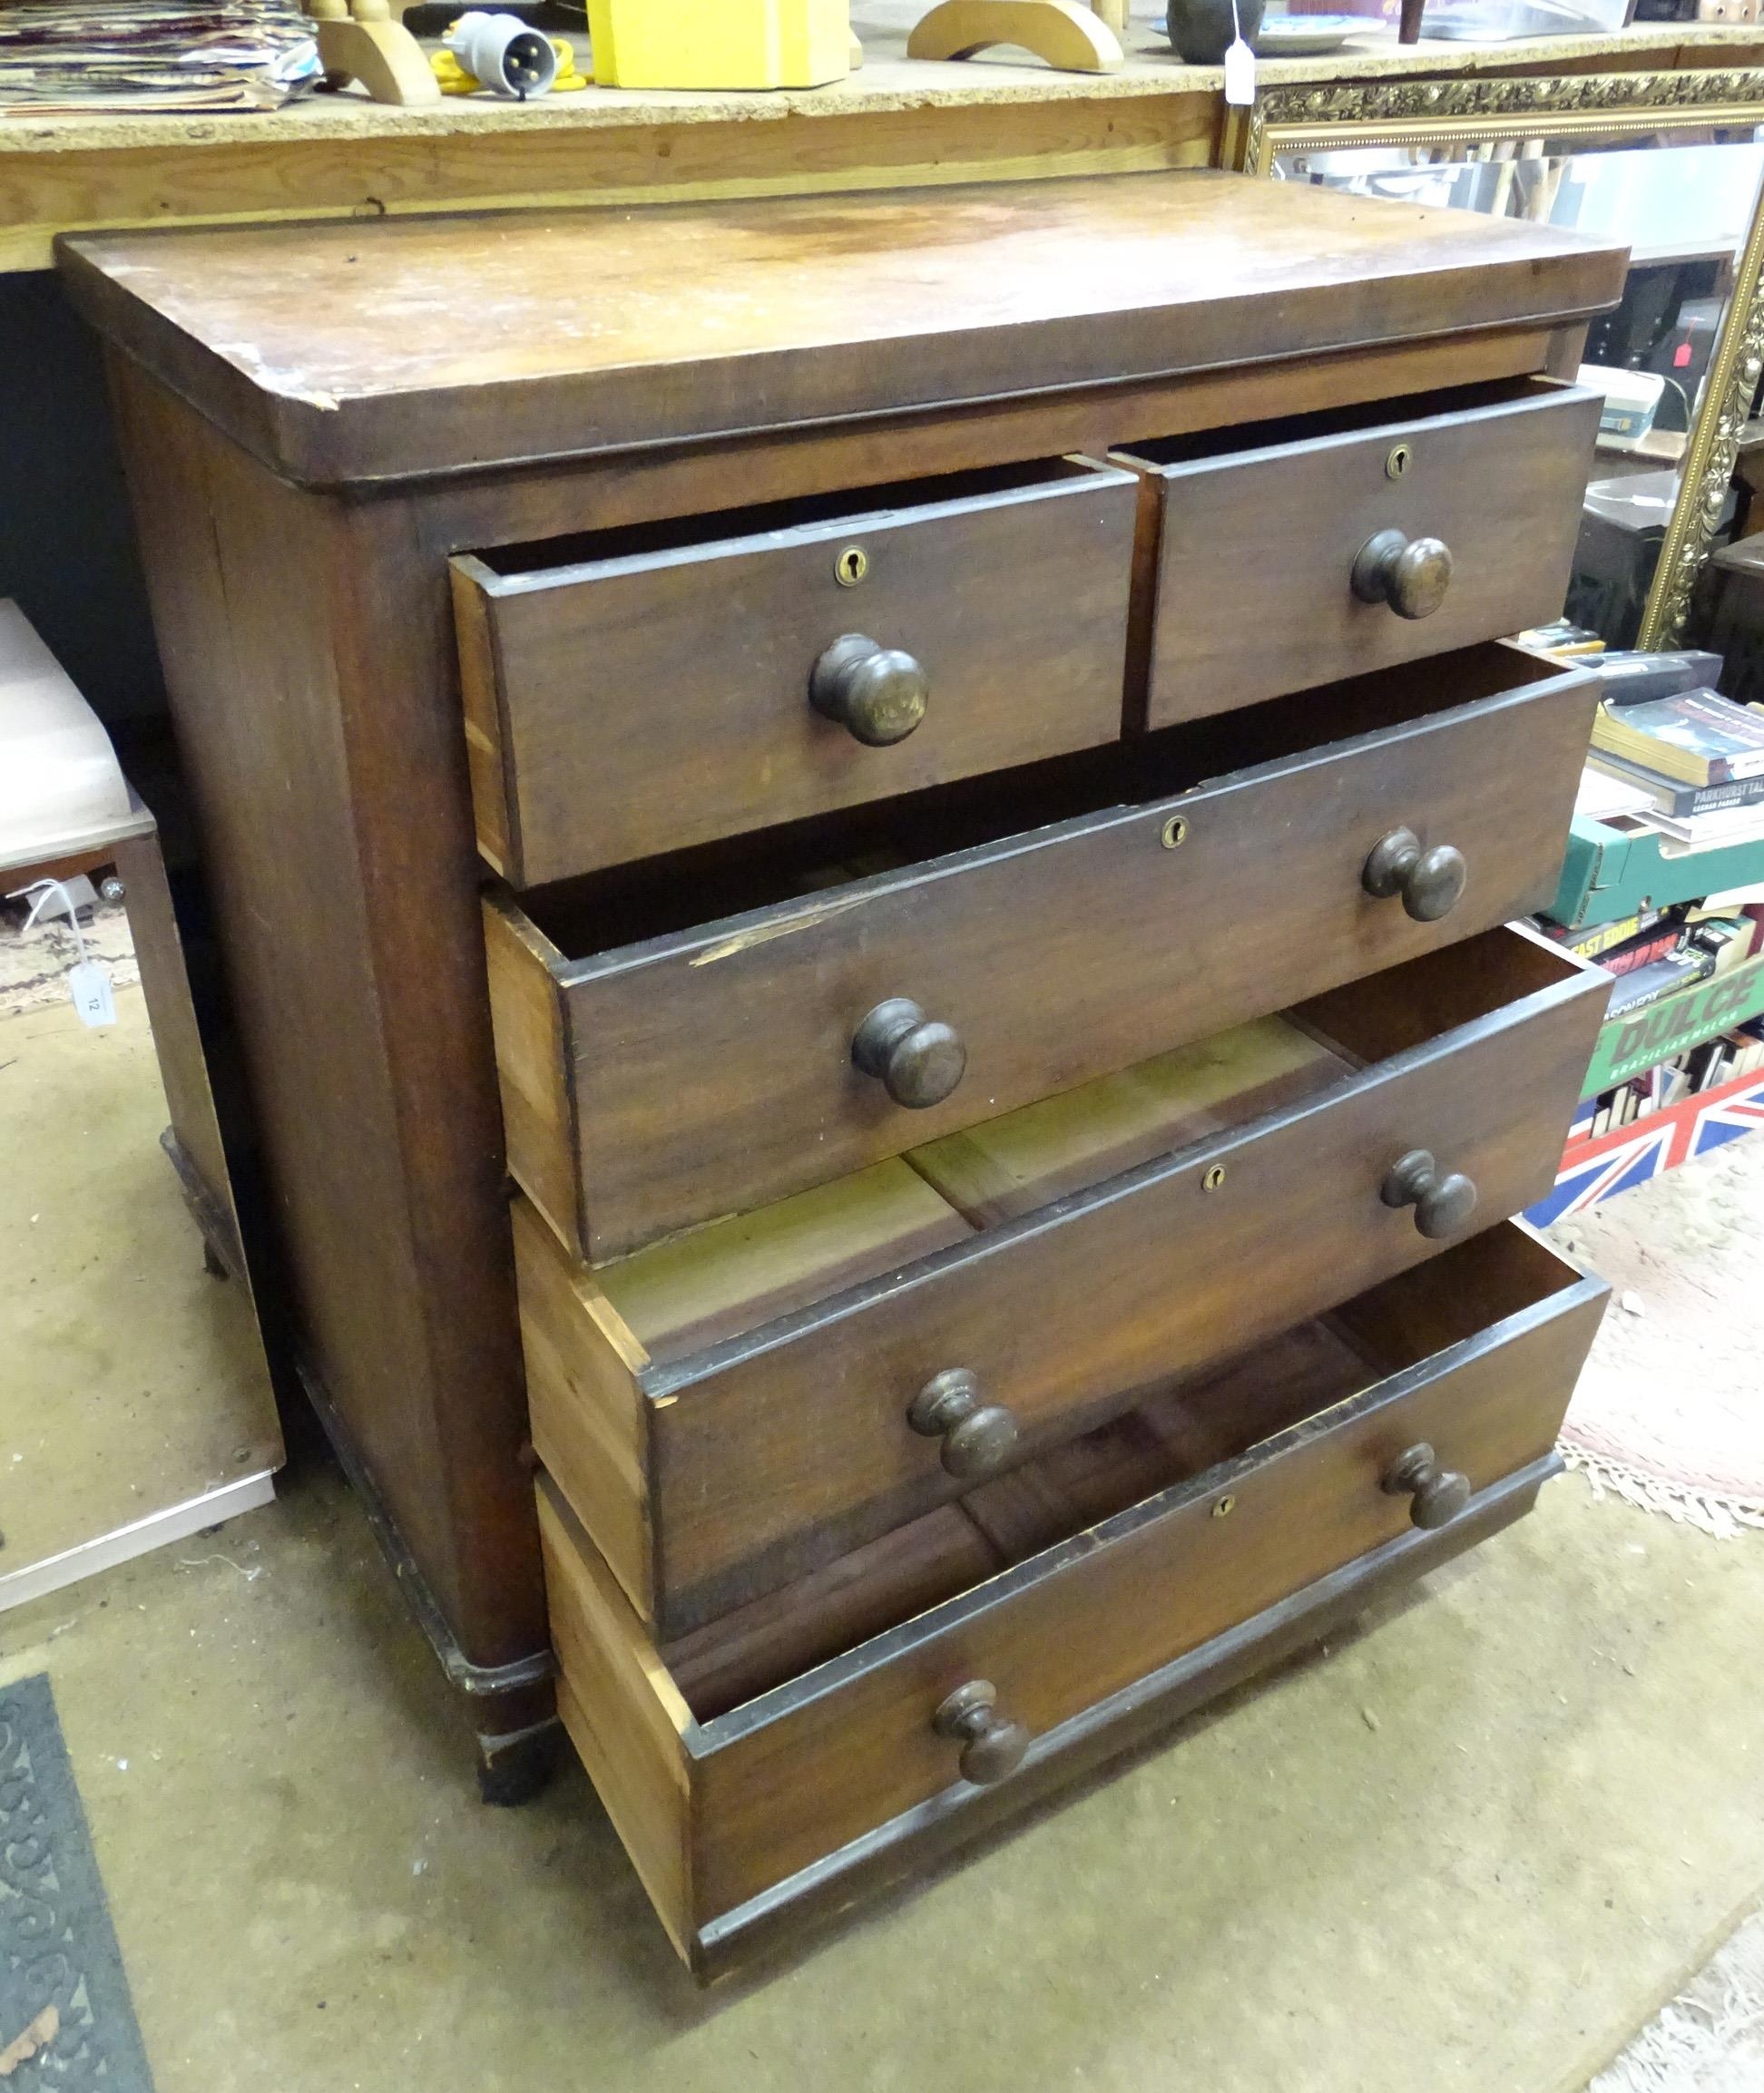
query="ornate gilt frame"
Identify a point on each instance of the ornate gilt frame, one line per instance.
(1331, 115)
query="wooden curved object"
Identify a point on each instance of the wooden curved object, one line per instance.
(1063, 34)
(366, 43)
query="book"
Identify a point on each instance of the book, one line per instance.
(1659, 977)
(1641, 951)
(1591, 941)
(1697, 737)
(1670, 796)
(1706, 831)
(1632, 679)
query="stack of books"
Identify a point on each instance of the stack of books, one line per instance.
(57, 58)
(1690, 765)
(1661, 950)
(1708, 1066)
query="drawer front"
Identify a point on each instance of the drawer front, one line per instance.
(730, 1470)
(779, 1452)
(712, 1072)
(631, 706)
(791, 1777)
(1255, 563)
(784, 1791)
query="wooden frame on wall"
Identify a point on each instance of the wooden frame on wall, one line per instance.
(1598, 108)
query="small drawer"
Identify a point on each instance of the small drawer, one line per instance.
(966, 1664)
(646, 689)
(660, 1071)
(731, 1408)
(1277, 558)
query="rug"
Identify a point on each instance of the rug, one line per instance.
(1711, 2038)
(1669, 1412)
(33, 964)
(66, 2022)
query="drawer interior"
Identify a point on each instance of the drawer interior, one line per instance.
(729, 1278)
(1172, 1437)
(1243, 440)
(581, 554)
(625, 907)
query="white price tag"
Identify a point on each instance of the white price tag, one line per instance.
(90, 987)
(1240, 75)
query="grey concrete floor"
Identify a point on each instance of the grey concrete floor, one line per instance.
(1474, 1848)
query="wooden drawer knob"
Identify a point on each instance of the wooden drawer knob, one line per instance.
(1436, 1494)
(1442, 1203)
(917, 1061)
(1431, 882)
(992, 1747)
(977, 1436)
(1411, 575)
(877, 694)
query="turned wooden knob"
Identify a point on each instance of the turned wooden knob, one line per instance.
(992, 1747)
(877, 694)
(1431, 882)
(977, 1436)
(917, 1061)
(1436, 1494)
(1442, 1203)
(1411, 575)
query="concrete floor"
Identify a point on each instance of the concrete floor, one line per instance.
(1473, 1849)
(132, 1380)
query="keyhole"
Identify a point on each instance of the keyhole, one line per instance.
(1397, 463)
(851, 566)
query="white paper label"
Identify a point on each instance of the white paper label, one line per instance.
(90, 987)
(1240, 75)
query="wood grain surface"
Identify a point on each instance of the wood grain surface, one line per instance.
(421, 346)
(793, 1775)
(337, 844)
(1255, 546)
(711, 1069)
(777, 1446)
(651, 698)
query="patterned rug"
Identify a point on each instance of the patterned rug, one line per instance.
(66, 2023)
(1669, 1413)
(33, 964)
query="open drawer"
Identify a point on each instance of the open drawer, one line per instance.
(1275, 557)
(707, 1036)
(919, 1689)
(640, 691)
(728, 1409)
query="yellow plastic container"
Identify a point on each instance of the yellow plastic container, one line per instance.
(719, 43)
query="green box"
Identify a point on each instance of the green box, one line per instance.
(1629, 1045)
(1615, 872)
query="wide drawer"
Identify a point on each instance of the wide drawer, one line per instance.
(649, 690)
(659, 1071)
(1348, 541)
(731, 1408)
(957, 1668)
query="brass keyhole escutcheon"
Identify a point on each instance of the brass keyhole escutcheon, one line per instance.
(1398, 461)
(1213, 1178)
(1175, 832)
(851, 566)
(1225, 1506)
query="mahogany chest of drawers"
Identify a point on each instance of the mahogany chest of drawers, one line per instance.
(866, 849)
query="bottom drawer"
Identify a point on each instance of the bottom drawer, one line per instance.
(932, 1680)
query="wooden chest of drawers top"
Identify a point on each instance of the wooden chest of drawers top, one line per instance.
(440, 345)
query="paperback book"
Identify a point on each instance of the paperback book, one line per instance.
(1696, 738)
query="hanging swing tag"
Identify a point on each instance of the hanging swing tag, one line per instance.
(90, 987)
(87, 983)
(1240, 75)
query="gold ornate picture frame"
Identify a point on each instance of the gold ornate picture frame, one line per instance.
(1602, 108)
